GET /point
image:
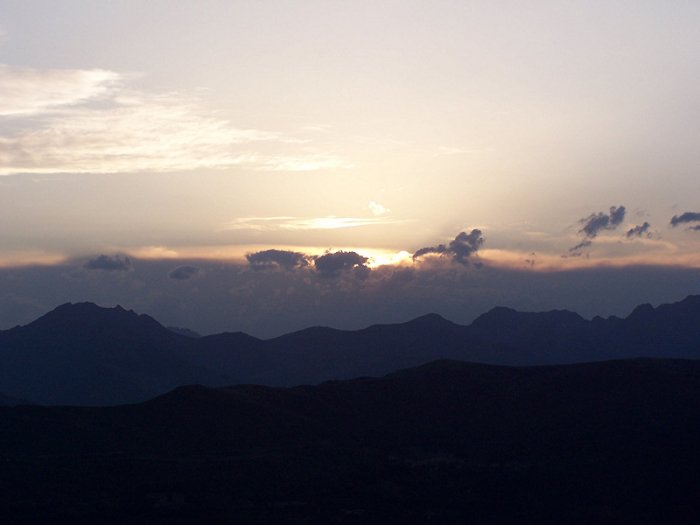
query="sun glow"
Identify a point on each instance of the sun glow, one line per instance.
(377, 256)
(385, 257)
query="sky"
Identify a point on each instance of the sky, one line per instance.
(462, 154)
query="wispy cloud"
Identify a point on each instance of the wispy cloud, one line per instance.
(85, 121)
(306, 223)
(26, 91)
(302, 162)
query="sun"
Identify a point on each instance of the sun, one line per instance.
(378, 257)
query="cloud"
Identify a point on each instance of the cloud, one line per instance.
(333, 264)
(576, 251)
(279, 302)
(683, 218)
(305, 223)
(274, 259)
(596, 222)
(88, 121)
(638, 231)
(184, 273)
(459, 250)
(400, 277)
(27, 91)
(300, 162)
(377, 209)
(109, 264)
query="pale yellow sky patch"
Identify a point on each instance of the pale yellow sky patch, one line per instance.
(306, 223)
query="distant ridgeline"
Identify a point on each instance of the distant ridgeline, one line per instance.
(81, 354)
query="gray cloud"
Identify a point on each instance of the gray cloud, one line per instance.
(109, 264)
(276, 259)
(333, 264)
(459, 249)
(183, 273)
(638, 231)
(689, 216)
(596, 222)
(576, 251)
(400, 277)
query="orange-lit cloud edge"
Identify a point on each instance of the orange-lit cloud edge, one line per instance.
(663, 254)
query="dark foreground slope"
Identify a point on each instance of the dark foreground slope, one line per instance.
(86, 355)
(447, 442)
(10, 401)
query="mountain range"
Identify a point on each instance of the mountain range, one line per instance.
(82, 354)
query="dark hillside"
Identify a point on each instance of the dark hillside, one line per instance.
(451, 442)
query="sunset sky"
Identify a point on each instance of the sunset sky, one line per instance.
(147, 148)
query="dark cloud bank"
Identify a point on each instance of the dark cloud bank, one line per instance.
(277, 291)
(328, 265)
(231, 297)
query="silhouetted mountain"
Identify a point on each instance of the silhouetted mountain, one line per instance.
(87, 355)
(502, 336)
(184, 331)
(447, 442)
(671, 330)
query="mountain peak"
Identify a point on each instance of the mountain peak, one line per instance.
(641, 311)
(692, 301)
(90, 314)
(86, 306)
(430, 319)
(501, 316)
(496, 315)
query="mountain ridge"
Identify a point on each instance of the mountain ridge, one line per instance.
(85, 354)
(692, 300)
